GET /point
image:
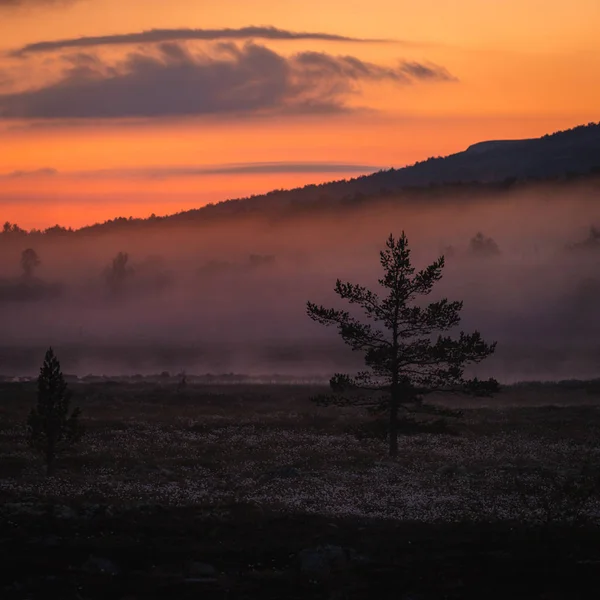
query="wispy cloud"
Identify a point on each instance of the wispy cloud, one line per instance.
(201, 170)
(46, 172)
(5, 4)
(172, 80)
(155, 36)
(243, 168)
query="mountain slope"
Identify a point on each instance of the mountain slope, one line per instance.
(576, 151)
(556, 156)
(498, 163)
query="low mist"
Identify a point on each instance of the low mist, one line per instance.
(230, 296)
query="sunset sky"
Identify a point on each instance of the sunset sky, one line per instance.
(120, 107)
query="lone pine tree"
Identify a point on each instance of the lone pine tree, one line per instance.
(50, 428)
(405, 359)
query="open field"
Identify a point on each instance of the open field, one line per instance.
(272, 474)
(271, 447)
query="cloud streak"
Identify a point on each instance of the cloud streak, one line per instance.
(171, 80)
(155, 36)
(46, 172)
(193, 171)
(242, 169)
(5, 4)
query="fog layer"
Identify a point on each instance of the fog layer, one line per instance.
(230, 296)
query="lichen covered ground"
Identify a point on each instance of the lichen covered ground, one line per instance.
(252, 491)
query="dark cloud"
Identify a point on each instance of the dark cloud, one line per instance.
(349, 67)
(178, 35)
(170, 80)
(420, 71)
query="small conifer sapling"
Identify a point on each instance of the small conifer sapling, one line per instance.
(50, 427)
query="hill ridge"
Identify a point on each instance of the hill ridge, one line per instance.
(562, 154)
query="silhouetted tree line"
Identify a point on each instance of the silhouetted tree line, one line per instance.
(591, 127)
(149, 275)
(479, 245)
(576, 150)
(314, 198)
(12, 231)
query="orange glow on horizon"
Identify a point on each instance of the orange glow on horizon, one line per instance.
(523, 68)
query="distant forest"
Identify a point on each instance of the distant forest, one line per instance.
(490, 168)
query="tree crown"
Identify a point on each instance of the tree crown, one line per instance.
(398, 337)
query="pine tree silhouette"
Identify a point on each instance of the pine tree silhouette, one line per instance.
(405, 361)
(50, 428)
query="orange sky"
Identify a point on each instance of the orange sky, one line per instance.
(501, 69)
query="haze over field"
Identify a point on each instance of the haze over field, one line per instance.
(229, 295)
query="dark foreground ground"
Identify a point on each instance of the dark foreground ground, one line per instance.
(187, 553)
(251, 492)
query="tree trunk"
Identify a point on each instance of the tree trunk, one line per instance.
(50, 459)
(393, 429)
